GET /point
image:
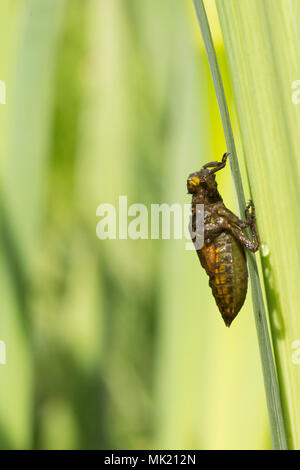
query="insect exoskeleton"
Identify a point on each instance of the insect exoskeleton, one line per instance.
(223, 252)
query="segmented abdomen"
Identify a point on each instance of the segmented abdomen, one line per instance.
(225, 263)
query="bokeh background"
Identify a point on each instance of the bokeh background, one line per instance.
(113, 344)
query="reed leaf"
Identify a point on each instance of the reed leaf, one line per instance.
(269, 372)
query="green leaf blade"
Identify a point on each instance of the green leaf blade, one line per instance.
(269, 372)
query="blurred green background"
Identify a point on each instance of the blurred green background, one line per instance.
(113, 344)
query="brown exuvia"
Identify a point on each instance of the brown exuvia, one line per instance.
(222, 255)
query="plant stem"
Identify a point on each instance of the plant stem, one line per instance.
(278, 433)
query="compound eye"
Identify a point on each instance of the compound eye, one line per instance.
(194, 180)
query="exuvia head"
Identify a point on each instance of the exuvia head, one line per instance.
(206, 178)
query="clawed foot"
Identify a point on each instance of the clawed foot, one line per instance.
(224, 158)
(249, 215)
